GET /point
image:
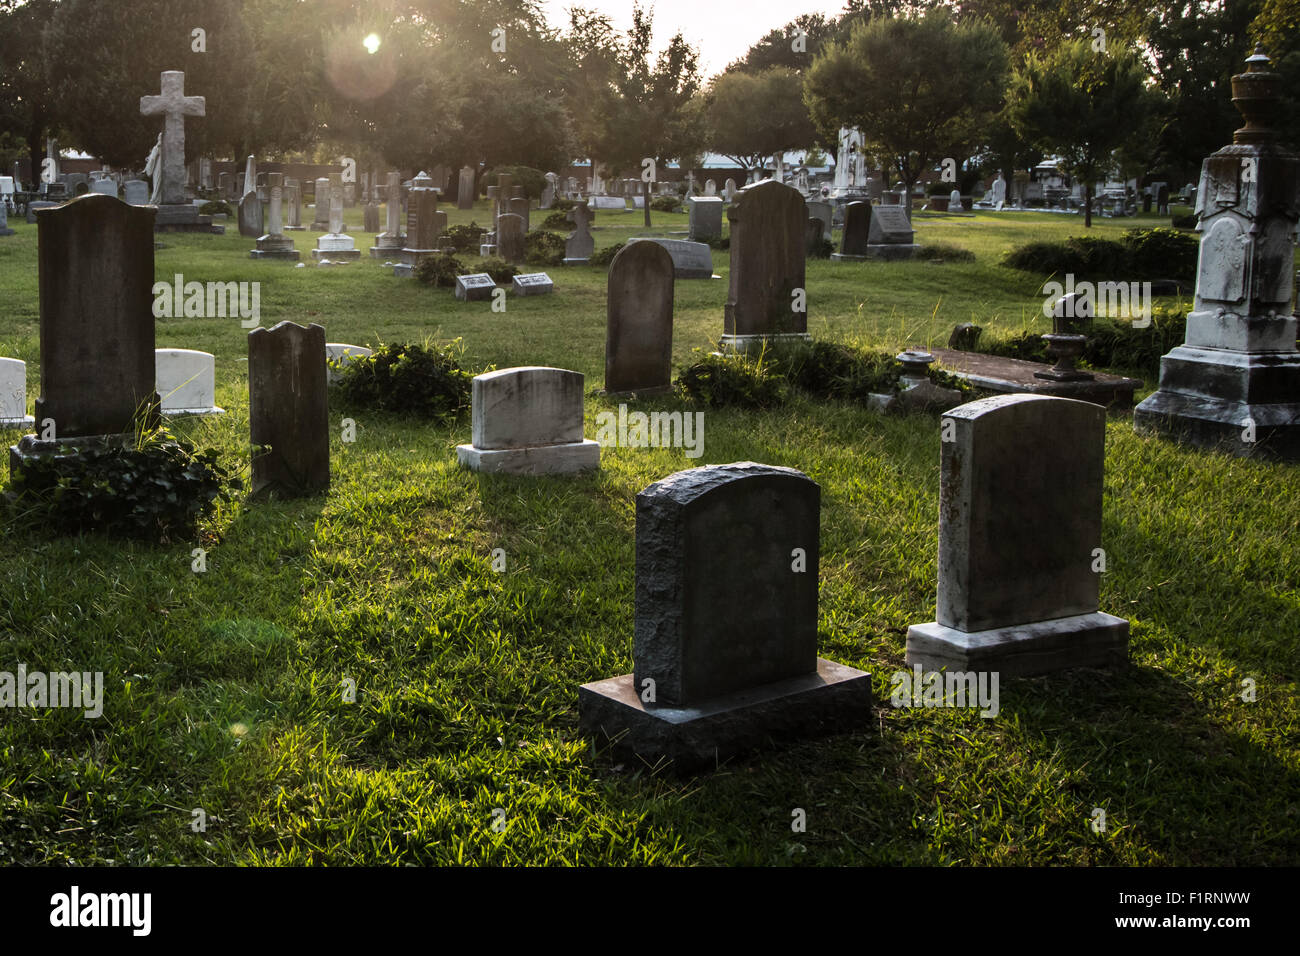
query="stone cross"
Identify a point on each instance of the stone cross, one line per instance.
(336, 204)
(175, 106)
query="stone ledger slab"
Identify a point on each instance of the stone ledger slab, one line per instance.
(1010, 376)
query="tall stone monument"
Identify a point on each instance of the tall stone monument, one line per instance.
(1234, 384)
(336, 245)
(389, 243)
(175, 212)
(275, 244)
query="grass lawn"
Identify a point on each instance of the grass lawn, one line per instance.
(224, 690)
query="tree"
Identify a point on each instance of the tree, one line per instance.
(758, 115)
(792, 47)
(919, 90)
(27, 111)
(1082, 105)
(649, 111)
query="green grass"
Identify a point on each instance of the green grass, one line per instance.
(224, 690)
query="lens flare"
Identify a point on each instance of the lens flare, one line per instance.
(371, 43)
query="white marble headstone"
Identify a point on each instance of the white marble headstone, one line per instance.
(341, 354)
(186, 382)
(13, 394)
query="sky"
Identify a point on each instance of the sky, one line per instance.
(722, 30)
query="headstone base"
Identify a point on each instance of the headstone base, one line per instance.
(274, 247)
(891, 251)
(403, 270)
(750, 343)
(193, 412)
(637, 392)
(843, 257)
(32, 449)
(537, 460)
(183, 217)
(336, 255)
(1022, 650)
(487, 249)
(832, 699)
(1210, 398)
(575, 262)
(413, 257)
(387, 247)
(27, 421)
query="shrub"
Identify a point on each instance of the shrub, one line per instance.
(1185, 222)
(603, 257)
(734, 379)
(157, 488)
(424, 380)
(543, 248)
(832, 370)
(1139, 254)
(558, 221)
(822, 250)
(945, 251)
(665, 204)
(1162, 253)
(215, 207)
(500, 270)
(1112, 343)
(465, 238)
(724, 242)
(940, 189)
(563, 205)
(439, 270)
(533, 180)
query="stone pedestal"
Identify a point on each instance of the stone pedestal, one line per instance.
(336, 248)
(1234, 385)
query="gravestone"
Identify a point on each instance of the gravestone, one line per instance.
(580, 245)
(337, 355)
(275, 244)
(370, 217)
(608, 202)
(1018, 584)
(725, 636)
(639, 320)
(95, 264)
(510, 237)
(705, 218)
(532, 283)
(250, 215)
(76, 184)
(13, 394)
(999, 191)
(710, 188)
(175, 213)
(336, 245)
(813, 238)
(528, 421)
(225, 185)
(35, 206)
(691, 260)
(425, 224)
(1234, 383)
(729, 190)
(494, 202)
(186, 381)
(519, 207)
(136, 192)
(825, 212)
(293, 205)
(4, 219)
(475, 287)
(549, 191)
(767, 267)
(954, 201)
(889, 233)
(321, 201)
(853, 240)
(104, 187)
(288, 409)
(389, 243)
(465, 190)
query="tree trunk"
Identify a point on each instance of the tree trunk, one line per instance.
(907, 198)
(35, 143)
(1087, 207)
(646, 190)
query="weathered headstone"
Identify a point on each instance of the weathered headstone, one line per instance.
(250, 215)
(96, 262)
(710, 188)
(826, 213)
(186, 381)
(389, 243)
(1234, 384)
(13, 394)
(225, 185)
(4, 219)
(705, 218)
(336, 245)
(608, 202)
(725, 637)
(729, 190)
(889, 234)
(104, 187)
(370, 217)
(510, 237)
(528, 421)
(857, 224)
(136, 192)
(339, 354)
(288, 409)
(580, 245)
(549, 191)
(767, 298)
(465, 190)
(691, 260)
(532, 283)
(275, 244)
(1018, 574)
(475, 287)
(293, 205)
(425, 224)
(639, 320)
(519, 207)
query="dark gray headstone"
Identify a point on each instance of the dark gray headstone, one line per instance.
(475, 287)
(579, 246)
(705, 214)
(510, 237)
(519, 206)
(370, 217)
(888, 225)
(767, 261)
(813, 237)
(725, 644)
(250, 216)
(465, 189)
(639, 322)
(288, 410)
(97, 325)
(1020, 507)
(857, 222)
